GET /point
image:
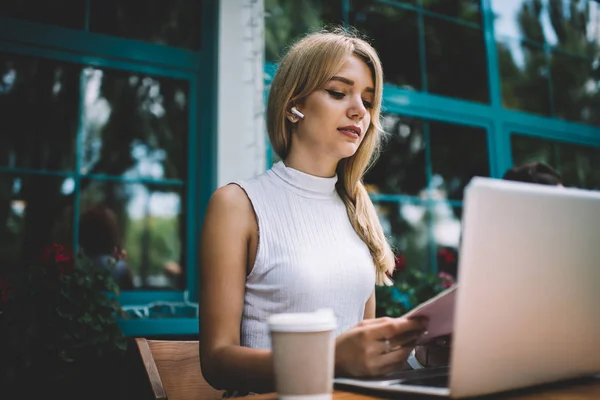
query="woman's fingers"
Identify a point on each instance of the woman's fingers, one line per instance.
(375, 321)
(392, 345)
(399, 328)
(377, 346)
(391, 361)
(394, 340)
(409, 338)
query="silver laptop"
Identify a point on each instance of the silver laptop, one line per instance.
(527, 309)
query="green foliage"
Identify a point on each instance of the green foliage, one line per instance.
(164, 244)
(526, 87)
(57, 318)
(411, 288)
(287, 21)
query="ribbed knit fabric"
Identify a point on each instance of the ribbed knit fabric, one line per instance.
(308, 257)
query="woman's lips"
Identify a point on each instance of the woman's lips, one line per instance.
(350, 131)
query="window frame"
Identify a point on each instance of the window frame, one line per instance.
(498, 121)
(200, 69)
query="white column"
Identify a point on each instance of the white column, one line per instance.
(241, 135)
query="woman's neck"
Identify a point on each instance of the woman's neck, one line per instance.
(311, 164)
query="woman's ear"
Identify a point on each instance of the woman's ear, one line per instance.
(293, 114)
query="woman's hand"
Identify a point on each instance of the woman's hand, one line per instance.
(376, 346)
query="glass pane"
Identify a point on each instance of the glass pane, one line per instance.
(456, 60)
(467, 10)
(526, 149)
(394, 33)
(67, 13)
(401, 165)
(134, 125)
(523, 19)
(35, 210)
(578, 165)
(173, 23)
(286, 21)
(147, 221)
(406, 227)
(39, 101)
(458, 153)
(593, 18)
(574, 92)
(446, 225)
(571, 25)
(524, 77)
(575, 26)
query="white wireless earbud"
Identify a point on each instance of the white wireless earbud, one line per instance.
(294, 110)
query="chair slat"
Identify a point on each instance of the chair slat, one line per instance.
(174, 371)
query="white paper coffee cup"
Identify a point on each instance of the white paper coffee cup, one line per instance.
(303, 346)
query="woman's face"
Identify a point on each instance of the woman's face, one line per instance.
(338, 115)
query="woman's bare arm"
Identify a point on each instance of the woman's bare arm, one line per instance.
(370, 307)
(228, 226)
(226, 237)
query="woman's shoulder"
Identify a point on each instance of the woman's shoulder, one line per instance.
(229, 198)
(230, 212)
(240, 196)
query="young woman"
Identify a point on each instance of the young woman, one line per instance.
(304, 235)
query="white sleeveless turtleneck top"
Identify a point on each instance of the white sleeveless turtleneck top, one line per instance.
(308, 255)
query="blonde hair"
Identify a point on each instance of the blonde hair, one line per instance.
(307, 67)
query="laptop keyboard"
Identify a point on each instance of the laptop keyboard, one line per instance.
(433, 377)
(434, 381)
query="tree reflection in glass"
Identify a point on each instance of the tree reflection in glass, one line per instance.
(35, 210)
(456, 60)
(135, 126)
(465, 10)
(286, 21)
(173, 23)
(406, 227)
(568, 75)
(146, 220)
(458, 153)
(578, 165)
(38, 109)
(524, 75)
(400, 168)
(394, 33)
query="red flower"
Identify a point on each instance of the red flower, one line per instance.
(5, 289)
(400, 262)
(65, 260)
(447, 256)
(59, 255)
(447, 280)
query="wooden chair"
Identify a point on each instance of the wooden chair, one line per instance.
(173, 369)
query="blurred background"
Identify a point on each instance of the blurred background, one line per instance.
(119, 118)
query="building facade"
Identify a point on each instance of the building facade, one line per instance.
(121, 119)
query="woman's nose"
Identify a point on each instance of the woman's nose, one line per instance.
(357, 108)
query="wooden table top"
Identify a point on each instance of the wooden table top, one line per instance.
(585, 389)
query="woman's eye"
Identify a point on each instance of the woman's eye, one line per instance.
(367, 104)
(336, 95)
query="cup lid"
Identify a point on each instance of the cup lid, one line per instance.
(317, 321)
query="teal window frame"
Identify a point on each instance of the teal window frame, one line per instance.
(200, 69)
(498, 121)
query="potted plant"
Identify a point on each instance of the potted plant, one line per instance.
(411, 287)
